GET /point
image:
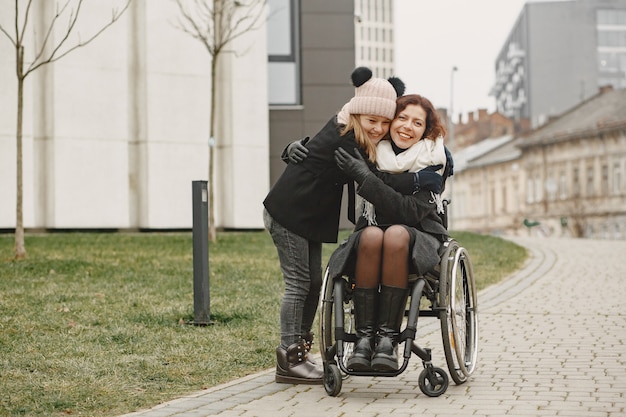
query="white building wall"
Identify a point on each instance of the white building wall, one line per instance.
(242, 134)
(81, 119)
(121, 127)
(177, 99)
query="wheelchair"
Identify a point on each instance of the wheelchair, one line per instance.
(448, 293)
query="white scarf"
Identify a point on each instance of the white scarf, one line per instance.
(422, 154)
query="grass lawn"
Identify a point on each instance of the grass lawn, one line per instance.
(95, 323)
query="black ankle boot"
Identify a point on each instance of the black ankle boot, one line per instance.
(292, 366)
(390, 315)
(365, 303)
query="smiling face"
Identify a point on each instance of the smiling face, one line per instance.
(376, 127)
(409, 126)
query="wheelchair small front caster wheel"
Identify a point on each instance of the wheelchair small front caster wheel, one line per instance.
(332, 380)
(433, 381)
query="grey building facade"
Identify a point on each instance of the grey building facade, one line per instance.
(558, 54)
(323, 52)
(322, 57)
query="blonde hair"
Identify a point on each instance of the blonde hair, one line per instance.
(360, 137)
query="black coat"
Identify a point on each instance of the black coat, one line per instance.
(416, 212)
(306, 198)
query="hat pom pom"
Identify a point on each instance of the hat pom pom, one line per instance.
(397, 84)
(360, 76)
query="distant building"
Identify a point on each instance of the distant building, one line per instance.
(304, 89)
(566, 178)
(481, 125)
(374, 39)
(558, 54)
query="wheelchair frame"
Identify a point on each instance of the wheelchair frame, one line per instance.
(451, 291)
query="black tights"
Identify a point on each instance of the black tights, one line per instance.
(383, 257)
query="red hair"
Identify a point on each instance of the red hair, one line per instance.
(434, 126)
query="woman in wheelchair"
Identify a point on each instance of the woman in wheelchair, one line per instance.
(302, 211)
(397, 235)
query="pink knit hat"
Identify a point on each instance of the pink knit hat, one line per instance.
(375, 96)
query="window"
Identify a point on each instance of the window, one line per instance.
(590, 189)
(459, 205)
(611, 38)
(530, 193)
(538, 188)
(562, 185)
(617, 178)
(551, 187)
(604, 186)
(611, 47)
(283, 40)
(474, 203)
(611, 17)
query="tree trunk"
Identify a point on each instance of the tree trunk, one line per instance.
(212, 148)
(212, 141)
(20, 248)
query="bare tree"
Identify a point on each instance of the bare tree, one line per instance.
(48, 51)
(216, 23)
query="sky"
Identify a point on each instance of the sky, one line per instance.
(433, 36)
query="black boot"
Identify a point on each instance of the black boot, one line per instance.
(365, 303)
(390, 315)
(292, 366)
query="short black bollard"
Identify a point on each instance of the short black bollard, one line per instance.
(201, 292)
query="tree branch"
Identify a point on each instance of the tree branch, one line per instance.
(53, 57)
(197, 24)
(8, 36)
(26, 15)
(42, 49)
(200, 21)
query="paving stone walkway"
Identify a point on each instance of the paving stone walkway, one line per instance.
(552, 343)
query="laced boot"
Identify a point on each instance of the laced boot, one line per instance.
(365, 303)
(391, 313)
(307, 339)
(292, 366)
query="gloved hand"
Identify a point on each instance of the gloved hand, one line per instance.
(449, 162)
(296, 151)
(355, 168)
(429, 179)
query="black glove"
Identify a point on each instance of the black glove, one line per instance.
(296, 151)
(429, 179)
(355, 168)
(449, 162)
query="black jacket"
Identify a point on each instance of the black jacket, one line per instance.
(306, 198)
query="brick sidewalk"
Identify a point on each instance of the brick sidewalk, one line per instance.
(552, 343)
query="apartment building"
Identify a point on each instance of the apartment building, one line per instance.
(566, 178)
(374, 36)
(558, 54)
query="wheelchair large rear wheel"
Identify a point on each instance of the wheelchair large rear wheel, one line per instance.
(459, 318)
(327, 321)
